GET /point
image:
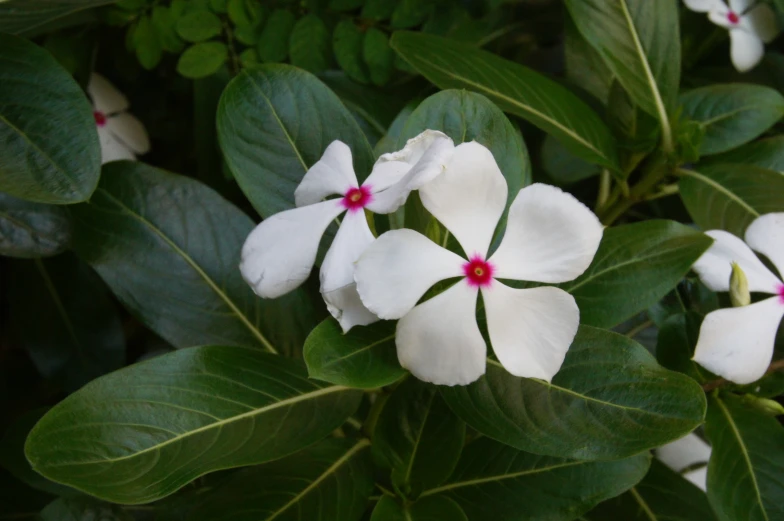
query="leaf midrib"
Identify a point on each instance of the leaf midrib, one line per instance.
(707, 180)
(643, 504)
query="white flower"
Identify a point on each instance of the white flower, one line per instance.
(550, 237)
(685, 453)
(737, 343)
(122, 136)
(279, 254)
(750, 24)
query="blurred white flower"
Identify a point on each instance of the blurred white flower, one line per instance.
(122, 136)
(737, 343)
(751, 24)
(687, 453)
(550, 237)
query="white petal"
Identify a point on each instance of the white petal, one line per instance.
(720, 18)
(469, 197)
(111, 148)
(761, 22)
(530, 329)
(279, 253)
(415, 148)
(740, 6)
(766, 235)
(550, 237)
(703, 6)
(130, 131)
(439, 341)
(398, 268)
(698, 477)
(337, 272)
(737, 343)
(332, 174)
(746, 49)
(715, 265)
(106, 98)
(685, 452)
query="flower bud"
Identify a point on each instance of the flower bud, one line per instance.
(764, 405)
(739, 287)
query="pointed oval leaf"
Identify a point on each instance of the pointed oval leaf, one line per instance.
(609, 400)
(145, 431)
(764, 153)
(31, 230)
(431, 508)
(514, 88)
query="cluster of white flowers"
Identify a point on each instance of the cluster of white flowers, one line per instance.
(550, 237)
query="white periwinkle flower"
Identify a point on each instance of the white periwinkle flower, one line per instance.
(122, 136)
(687, 453)
(737, 343)
(280, 252)
(550, 237)
(750, 24)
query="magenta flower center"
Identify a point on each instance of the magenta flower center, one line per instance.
(100, 118)
(357, 198)
(733, 17)
(478, 272)
(781, 293)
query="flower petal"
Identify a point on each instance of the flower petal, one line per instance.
(469, 197)
(740, 6)
(715, 265)
(113, 149)
(703, 6)
(766, 235)
(530, 329)
(746, 49)
(550, 237)
(720, 18)
(439, 341)
(737, 343)
(279, 253)
(761, 22)
(332, 174)
(130, 131)
(337, 272)
(106, 98)
(685, 452)
(398, 268)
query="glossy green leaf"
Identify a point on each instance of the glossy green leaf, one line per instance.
(310, 44)
(640, 43)
(431, 508)
(675, 345)
(585, 67)
(198, 26)
(600, 405)
(143, 432)
(365, 357)
(564, 167)
(331, 480)
(514, 88)
(274, 122)
(418, 437)
(202, 59)
(494, 481)
(730, 197)
(81, 509)
(635, 266)
(23, 16)
(390, 138)
(732, 114)
(30, 230)
(50, 147)
(347, 44)
(169, 248)
(747, 462)
(273, 45)
(764, 153)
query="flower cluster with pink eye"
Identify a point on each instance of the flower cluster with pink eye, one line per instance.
(549, 238)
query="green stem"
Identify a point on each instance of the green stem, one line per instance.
(655, 170)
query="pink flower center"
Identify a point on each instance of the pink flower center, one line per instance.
(478, 272)
(733, 17)
(781, 293)
(100, 118)
(357, 198)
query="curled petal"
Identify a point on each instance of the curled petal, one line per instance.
(715, 265)
(550, 237)
(105, 96)
(737, 343)
(530, 329)
(761, 22)
(439, 341)
(345, 305)
(279, 253)
(330, 175)
(130, 131)
(746, 49)
(766, 235)
(469, 197)
(112, 149)
(398, 268)
(704, 6)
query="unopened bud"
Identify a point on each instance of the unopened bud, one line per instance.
(739, 287)
(764, 405)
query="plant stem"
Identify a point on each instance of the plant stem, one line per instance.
(604, 189)
(655, 170)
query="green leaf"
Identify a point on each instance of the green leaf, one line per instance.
(24, 16)
(30, 230)
(675, 345)
(390, 138)
(164, 22)
(514, 88)
(219, 6)
(345, 5)
(50, 152)
(202, 59)
(417, 437)
(82, 508)
(245, 13)
(83, 337)
(273, 45)
(310, 45)
(732, 114)
(564, 167)
(730, 197)
(378, 55)
(183, 414)
(635, 266)
(494, 481)
(765, 153)
(347, 44)
(264, 136)
(609, 400)
(431, 508)
(640, 43)
(364, 358)
(169, 248)
(331, 480)
(662, 495)
(379, 9)
(198, 26)
(747, 462)
(585, 67)
(147, 43)
(410, 13)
